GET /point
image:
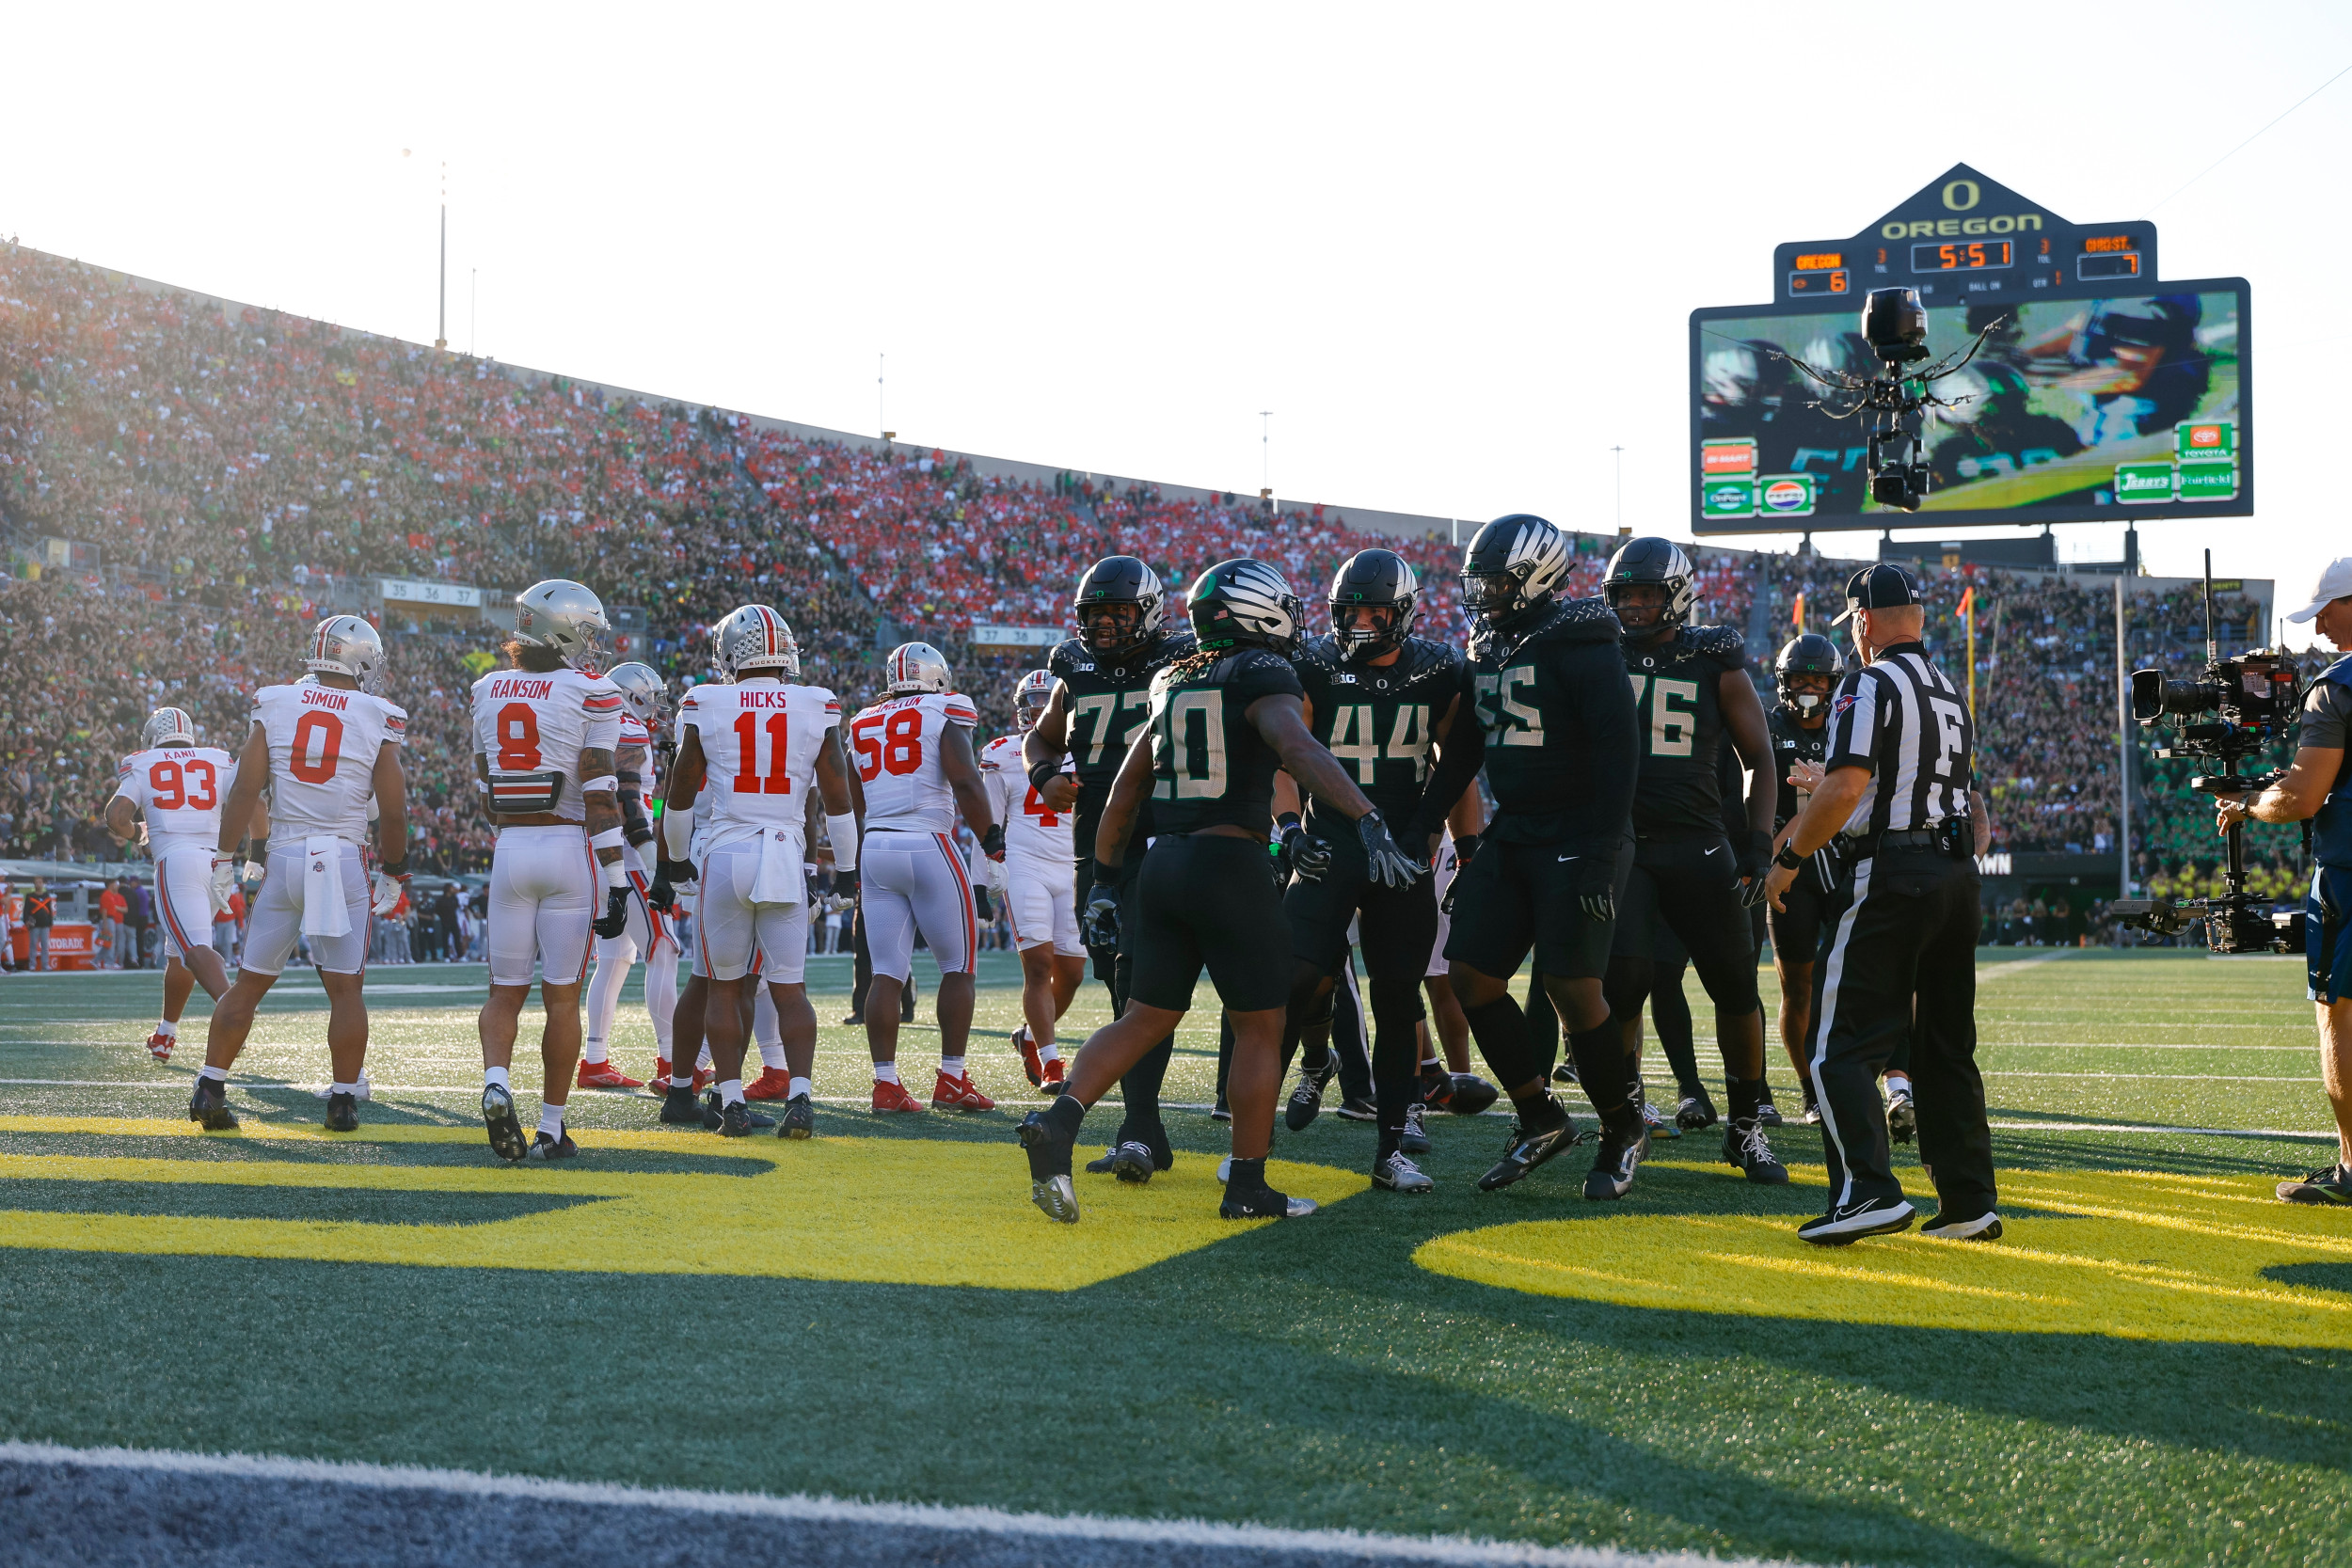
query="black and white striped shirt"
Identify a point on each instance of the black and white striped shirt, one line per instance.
(1903, 720)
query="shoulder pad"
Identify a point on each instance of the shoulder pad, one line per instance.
(1581, 620)
(1067, 656)
(1172, 646)
(1318, 653)
(1425, 656)
(1720, 641)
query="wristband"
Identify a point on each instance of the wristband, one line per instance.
(1285, 822)
(611, 838)
(842, 831)
(1788, 860)
(396, 869)
(599, 784)
(1040, 774)
(615, 875)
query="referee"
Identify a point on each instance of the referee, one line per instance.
(1901, 964)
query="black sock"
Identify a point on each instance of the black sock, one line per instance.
(1501, 1030)
(1745, 1092)
(1065, 1116)
(1601, 1066)
(1538, 1112)
(1246, 1176)
(1140, 1089)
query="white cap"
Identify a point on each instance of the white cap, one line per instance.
(2334, 583)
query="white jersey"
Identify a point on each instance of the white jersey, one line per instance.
(530, 727)
(895, 745)
(323, 745)
(1031, 831)
(180, 790)
(761, 740)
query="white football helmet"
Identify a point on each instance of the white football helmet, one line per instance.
(916, 667)
(646, 694)
(563, 617)
(1030, 694)
(753, 638)
(169, 726)
(346, 645)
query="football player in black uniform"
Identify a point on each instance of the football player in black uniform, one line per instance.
(1375, 696)
(1099, 706)
(1694, 692)
(1222, 718)
(1550, 716)
(1804, 672)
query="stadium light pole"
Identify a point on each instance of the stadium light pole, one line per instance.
(440, 332)
(1266, 455)
(2123, 749)
(1619, 452)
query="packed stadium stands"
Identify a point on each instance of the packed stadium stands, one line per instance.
(240, 470)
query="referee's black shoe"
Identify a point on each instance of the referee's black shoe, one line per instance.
(1529, 1148)
(1620, 1156)
(1746, 1147)
(1952, 1228)
(1845, 1226)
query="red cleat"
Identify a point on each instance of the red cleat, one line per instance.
(959, 1094)
(773, 1083)
(704, 1077)
(604, 1075)
(159, 1046)
(894, 1097)
(1053, 1087)
(1029, 1063)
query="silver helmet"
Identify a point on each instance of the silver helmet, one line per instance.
(563, 617)
(169, 726)
(643, 692)
(916, 667)
(753, 638)
(346, 645)
(1030, 694)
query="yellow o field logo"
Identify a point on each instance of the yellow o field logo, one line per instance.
(2133, 1256)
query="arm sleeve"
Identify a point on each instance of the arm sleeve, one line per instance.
(1612, 722)
(1461, 752)
(1853, 722)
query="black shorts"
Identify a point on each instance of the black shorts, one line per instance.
(1691, 887)
(1398, 928)
(1809, 913)
(1518, 896)
(1205, 899)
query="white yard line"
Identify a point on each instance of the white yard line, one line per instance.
(2003, 971)
(2152, 1077)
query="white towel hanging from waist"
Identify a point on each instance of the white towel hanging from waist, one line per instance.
(324, 913)
(780, 879)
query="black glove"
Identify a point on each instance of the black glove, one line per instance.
(662, 896)
(980, 905)
(1597, 886)
(614, 920)
(1464, 849)
(1099, 921)
(1755, 858)
(844, 882)
(1310, 857)
(993, 841)
(1386, 864)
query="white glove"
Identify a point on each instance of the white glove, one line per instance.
(254, 871)
(998, 878)
(224, 882)
(387, 893)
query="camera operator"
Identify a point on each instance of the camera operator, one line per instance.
(2319, 786)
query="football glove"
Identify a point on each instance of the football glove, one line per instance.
(1099, 923)
(982, 904)
(1597, 886)
(389, 892)
(224, 882)
(1755, 857)
(662, 896)
(614, 920)
(997, 877)
(845, 884)
(1388, 864)
(1310, 857)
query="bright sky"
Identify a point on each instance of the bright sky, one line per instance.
(1451, 248)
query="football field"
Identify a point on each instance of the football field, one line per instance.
(2154, 1367)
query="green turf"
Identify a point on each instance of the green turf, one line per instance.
(1309, 1374)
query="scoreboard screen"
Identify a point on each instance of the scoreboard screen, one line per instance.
(2102, 394)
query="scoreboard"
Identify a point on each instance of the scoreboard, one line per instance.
(2100, 389)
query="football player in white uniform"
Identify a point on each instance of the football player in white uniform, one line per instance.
(324, 746)
(544, 735)
(761, 742)
(1040, 889)
(178, 787)
(916, 769)
(644, 711)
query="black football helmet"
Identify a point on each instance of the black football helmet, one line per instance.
(1809, 654)
(1513, 565)
(1652, 559)
(1246, 603)
(1380, 579)
(1118, 579)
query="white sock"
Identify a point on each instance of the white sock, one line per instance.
(218, 1075)
(1897, 1083)
(342, 1089)
(1049, 1054)
(494, 1075)
(594, 1052)
(551, 1120)
(731, 1091)
(772, 1055)
(885, 1073)
(951, 1066)
(169, 1030)
(702, 1059)
(1432, 1064)
(681, 1080)
(802, 1087)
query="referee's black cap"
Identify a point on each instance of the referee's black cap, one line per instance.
(1879, 587)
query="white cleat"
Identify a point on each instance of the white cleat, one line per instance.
(1056, 1198)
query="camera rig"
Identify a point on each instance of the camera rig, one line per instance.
(2236, 708)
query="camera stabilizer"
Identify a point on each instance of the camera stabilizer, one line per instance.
(2253, 699)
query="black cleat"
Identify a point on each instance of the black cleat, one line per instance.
(1612, 1176)
(2331, 1185)
(1696, 1113)
(1306, 1100)
(1563, 1072)
(498, 1117)
(342, 1113)
(1049, 1169)
(1398, 1174)
(1415, 1139)
(1872, 1216)
(1812, 1112)
(1768, 1114)
(679, 1108)
(1983, 1227)
(1352, 1109)
(1746, 1146)
(547, 1149)
(1221, 1112)
(209, 1107)
(799, 1118)
(738, 1120)
(1263, 1204)
(1526, 1151)
(1471, 1095)
(1902, 1118)
(1104, 1165)
(1131, 1163)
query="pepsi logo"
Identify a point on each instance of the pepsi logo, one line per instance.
(1786, 495)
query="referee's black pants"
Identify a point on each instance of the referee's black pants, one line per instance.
(1900, 965)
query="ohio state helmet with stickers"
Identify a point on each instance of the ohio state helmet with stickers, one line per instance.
(1030, 694)
(563, 617)
(346, 645)
(644, 692)
(915, 668)
(754, 637)
(169, 726)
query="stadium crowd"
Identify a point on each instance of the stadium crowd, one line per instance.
(238, 470)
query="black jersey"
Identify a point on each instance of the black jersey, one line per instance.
(1791, 743)
(1110, 704)
(1676, 686)
(1210, 767)
(1378, 722)
(1550, 716)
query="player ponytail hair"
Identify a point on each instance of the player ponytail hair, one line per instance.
(530, 657)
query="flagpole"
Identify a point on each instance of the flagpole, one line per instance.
(1971, 597)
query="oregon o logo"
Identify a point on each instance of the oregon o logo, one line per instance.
(1953, 198)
